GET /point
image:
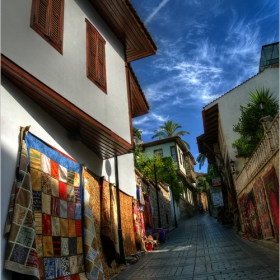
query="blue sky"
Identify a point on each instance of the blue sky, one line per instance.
(205, 48)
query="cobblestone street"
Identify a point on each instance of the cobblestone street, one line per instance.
(201, 248)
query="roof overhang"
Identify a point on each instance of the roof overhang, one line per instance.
(123, 19)
(98, 138)
(139, 102)
(175, 139)
(205, 141)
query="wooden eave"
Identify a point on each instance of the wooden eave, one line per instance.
(175, 139)
(139, 104)
(124, 21)
(98, 138)
(205, 141)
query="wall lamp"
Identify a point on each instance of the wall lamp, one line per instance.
(232, 163)
(262, 107)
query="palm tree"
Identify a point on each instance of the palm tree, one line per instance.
(137, 133)
(169, 129)
(262, 97)
(201, 159)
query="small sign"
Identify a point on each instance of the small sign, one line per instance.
(217, 199)
(216, 182)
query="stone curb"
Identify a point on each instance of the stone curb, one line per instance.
(262, 242)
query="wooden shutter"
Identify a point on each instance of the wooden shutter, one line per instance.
(47, 21)
(101, 62)
(92, 65)
(41, 15)
(56, 22)
(96, 63)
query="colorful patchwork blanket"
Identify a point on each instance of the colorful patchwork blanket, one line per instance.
(44, 226)
(92, 242)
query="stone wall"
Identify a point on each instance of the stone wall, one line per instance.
(163, 198)
(186, 209)
(274, 161)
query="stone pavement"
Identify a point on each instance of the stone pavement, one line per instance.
(201, 248)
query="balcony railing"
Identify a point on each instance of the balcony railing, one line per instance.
(191, 174)
(267, 147)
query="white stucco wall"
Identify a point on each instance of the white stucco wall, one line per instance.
(66, 74)
(165, 149)
(229, 105)
(167, 153)
(18, 110)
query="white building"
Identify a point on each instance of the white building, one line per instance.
(66, 72)
(220, 115)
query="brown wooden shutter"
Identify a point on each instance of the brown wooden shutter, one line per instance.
(96, 64)
(41, 15)
(56, 22)
(92, 65)
(47, 21)
(101, 62)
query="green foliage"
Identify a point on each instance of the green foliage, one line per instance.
(147, 167)
(137, 133)
(249, 126)
(211, 173)
(262, 95)
(202, 185)
(201, 159)
(169, 129)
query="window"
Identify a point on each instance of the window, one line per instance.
(96, 66)
(47, 20)
(174, 156)
(158, 153)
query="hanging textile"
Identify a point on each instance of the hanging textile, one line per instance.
(137, 222)
(243, 210)
(252, 216)
(54, 203)
(262, 209)
(107, 236)
(114, 217)
(20, 230)
(92, 241)
(148, 216)
(142, 223)
(127, 224)
(93, 196)
(140, 197)
(272, 193)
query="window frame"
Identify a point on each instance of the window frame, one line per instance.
(158, 152)
(175, 153)
(96, 57)
(47, 31)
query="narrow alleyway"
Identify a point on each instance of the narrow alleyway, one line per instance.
(201, 248)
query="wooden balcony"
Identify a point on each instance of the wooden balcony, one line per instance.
(191, 175)
(266, 149)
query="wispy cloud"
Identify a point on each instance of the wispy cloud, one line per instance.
(156, 10)
(208, 49)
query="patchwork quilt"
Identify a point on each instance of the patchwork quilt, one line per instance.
(92, 242)
(45, 235)
(93, 249)
(127, 224)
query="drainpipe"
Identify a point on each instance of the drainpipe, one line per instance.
(157, 188)
(122, 256)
